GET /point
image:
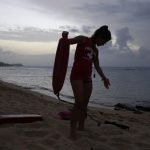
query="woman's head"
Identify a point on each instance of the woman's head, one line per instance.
(101, 35)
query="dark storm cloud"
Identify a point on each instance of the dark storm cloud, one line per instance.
(127, 10)
(144, 53)
(123, 37)
(121, 45)
(121, 54)
(139, 10)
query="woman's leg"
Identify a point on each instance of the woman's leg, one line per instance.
(78, 90)
(87, 93)
(88, 86)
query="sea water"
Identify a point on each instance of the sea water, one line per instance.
(129, 85)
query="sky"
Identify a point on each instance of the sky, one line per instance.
(30, 29)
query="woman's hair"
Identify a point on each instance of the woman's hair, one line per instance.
(103, 32)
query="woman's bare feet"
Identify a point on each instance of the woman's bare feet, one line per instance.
(73, 135)
(81, 127)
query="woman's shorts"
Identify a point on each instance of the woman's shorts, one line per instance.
(80, 75)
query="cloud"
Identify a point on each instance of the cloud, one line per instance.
(129, 8)
(119, 53)
(136, 10)
(123, 43)
(8, 56)
(122, 54)
(29, 34)
(33, 34)
(68, 28)
(144, 53)
(27, 60)
(85, 29)
(123, 38)
(4, 53)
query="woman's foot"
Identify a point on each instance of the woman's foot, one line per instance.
(81, 127)
(73, 135)
(82, 121)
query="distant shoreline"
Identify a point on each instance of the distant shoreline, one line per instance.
(2, 64)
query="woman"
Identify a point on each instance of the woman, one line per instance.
(86, 54)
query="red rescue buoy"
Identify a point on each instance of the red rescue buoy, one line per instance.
(61, 63)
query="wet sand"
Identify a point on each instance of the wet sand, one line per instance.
(104, 128)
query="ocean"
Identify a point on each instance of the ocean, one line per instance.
(129, 85)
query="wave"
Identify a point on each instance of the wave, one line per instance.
(67, 96)
(48, 89)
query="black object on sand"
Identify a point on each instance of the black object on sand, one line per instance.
(117, 124)
(21, 118)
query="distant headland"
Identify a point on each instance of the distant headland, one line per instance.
(2, 64)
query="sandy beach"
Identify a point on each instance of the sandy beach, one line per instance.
(105, 129)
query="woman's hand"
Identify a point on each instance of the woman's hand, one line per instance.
(106, 83)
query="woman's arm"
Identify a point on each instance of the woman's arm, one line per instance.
(76, 39)
(100, 72)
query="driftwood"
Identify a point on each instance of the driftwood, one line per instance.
(143, 108)
(135, 109)
(108, 122)
(117, 124)
(92, 118)
(22, 118)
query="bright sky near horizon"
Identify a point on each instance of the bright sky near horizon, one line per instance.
(32, 27)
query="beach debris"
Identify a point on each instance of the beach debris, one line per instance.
(21, 118)
(120, 106)
(65, 115)
(117, 124)
(143, 108)
(100, 112)
(94, 119)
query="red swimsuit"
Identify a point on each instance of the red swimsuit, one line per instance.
(84, 56)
